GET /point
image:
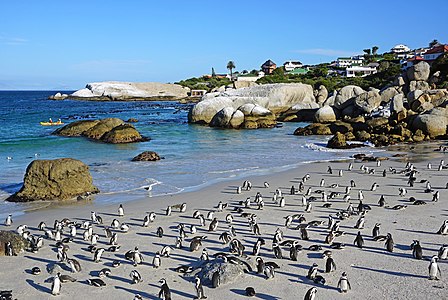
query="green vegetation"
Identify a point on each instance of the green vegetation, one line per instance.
(204, 83)
(441, 64)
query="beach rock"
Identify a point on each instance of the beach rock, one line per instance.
(275, 98)
(147, 156)
(228, 272)
(18, 243)
(419, 85)
(376, 122)
(76, 128)
(222, 118)
(59, 179)
(237, 119)
(325, 114)
(396, 105)
(399, 81)
(114, 90)
(132, 120)
(369, 101)
(389, 93)
(314, 128)
(338, 141)
(322, 94)
(58, 96)
(102, 127)
(419, 71)
(362, 136)
(433, 123)
(346, 93)
(124, 133)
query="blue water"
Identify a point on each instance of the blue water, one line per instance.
(194, 155)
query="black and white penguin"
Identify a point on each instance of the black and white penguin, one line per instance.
(444, 228)
(304, 233)
(277, 251)
(376, 230)
(9, 251)
(257, 246)
(269, 272)
(96, 282)
(8, 221)
(159, 232)
(389, 243)
(308, 207)
(104, 272)
(312, 272)
(260, 265)
(443, 252)
(294, 250)
(164, 292)
(216, 279)
(168, 210)
(434, 269)
(204, 255)
(97, 255)
(56, 285)
(213, 225)
(417, 251)
(330, 265)
(311, 294)
(196, 243)
(436, 196)
(121, 210)
(199, 288)
(360, 222)
(329, 170)
(344, 284)
(166, 251)
(135, 256)
(359, 241)
(135, 276)
(250, 291)
(74, 265)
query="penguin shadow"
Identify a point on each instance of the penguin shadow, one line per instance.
(393, 273)
(48, 261)
(38, 287)
(134, 292)
(122, 279)
(314, 255)
(107, 214)
(307, 281)
(173, 291)
(417, 231)
(258, 294)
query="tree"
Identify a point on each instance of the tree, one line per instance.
(374, 50)
(213, 73)
(433, 43)
(231, 66)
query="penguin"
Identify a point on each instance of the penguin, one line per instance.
(121, 211)
(269, 272)
(74, 265)
(330, 265)
(135, 256)
(56, 285)
(213, 225)
(8, 221)
(166, 251)
(402, 192)
(216, 279)
(389, 243)
(124, 227)
(159, 232)
(104, 272)
(329, 170)
(135, 276)
(260, 265)
(164, 292)
(36, 271)
(66, 278)
(250, 291)
(350, 167)
(282, 202)
(96, 282)
(434, 269)
(344, 284)
(304, 234)
(196, 243)
(360, 222)
(322, 182)
(444, 228)
(382, 201)
(294, 250)
(304, 201)
(257, 246)
(277, 251)
(340, 173)
(443, 252)
(312, 272)
(113, 239)
(311, 294)
(156, 261)
(376, 230)
(436, 196)
(201, 220)
(115, 224)
(168, 211)
(97, 255)
(359, 241)
(199, 288)
(266, 184)
(374, 187)
(416, 250)
(204, 255)
(9, 251)
(360, 195)
(352, 183)
(308, 207)
(238, 190)
(138, 297)
(221, 206)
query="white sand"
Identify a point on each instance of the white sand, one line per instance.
(373, 272)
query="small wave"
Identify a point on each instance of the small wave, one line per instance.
(233, 170)
(147, 187)
(323, 148)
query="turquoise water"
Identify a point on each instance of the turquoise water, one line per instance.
(194, 155)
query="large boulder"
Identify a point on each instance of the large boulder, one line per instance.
(103, 126)
(275, 98)
(59, 179)
(396, 105)
(18, 243)
(338, 141)
(76, 128)
(419, 71)
(147, 156)
(322, 94)
(433, 122)
(124, 133)
(228, 272)
(369, 101)
(346, 93)
(389, 93)
(114, 90)
(223, 117)
(325, 114)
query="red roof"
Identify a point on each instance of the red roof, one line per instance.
(416, 58)
(438, 49)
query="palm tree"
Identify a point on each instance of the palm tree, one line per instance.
(231, 66)
(433, 43)
(374, 50)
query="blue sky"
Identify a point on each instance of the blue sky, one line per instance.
(65, 44)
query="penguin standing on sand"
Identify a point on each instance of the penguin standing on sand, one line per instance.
(312, 272)
(344, 284)
(311, 294)
(444, 228)
(330, 265)
(8, 221)
(97, 255)
(376, 230)
(56, 285)
(434, 269)
(417, 251)
(359, 241)
(121, 211)
(199, 288)
(443, 252)
(382, 201)
(164, 292)
(9, 251)
(389, 243)
(156, 261)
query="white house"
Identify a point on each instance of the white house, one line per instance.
(400, 48)
(435, 52)
(343, 62)
(290, 65)
(357, 71)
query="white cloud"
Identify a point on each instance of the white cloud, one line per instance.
(12, 41)
(326, 52)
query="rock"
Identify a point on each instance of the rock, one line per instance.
(396, 105)
(222, 118)
(59, 179)
(362, 136)
(102, 127)
(389, 93)
(399, 81)
(433, 122)
(241, 84)
(315, 128)
(76, 128)
(147, 156)
(277, 98)
(346, 93)
(228, 272)
(254, 122)
(18, 243)
(435, 78)
(418, 85)
(132, 120)
(58, 96)
(322, 94)
(419, 71)
(125, 133)
(325, 114)
(237, 119)
(376, 122)
(349, 136)
(341, 127)
(369, 101)
(418, 136)
(114, 90)
(338, 141)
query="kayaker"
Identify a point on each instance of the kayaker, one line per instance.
(50, 120)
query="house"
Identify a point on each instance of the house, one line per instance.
(268, 67)
(291, 65)
(400, 48)
(357, 71)
(405, 64)
(250, 77)
(343, 62)
(435, 52)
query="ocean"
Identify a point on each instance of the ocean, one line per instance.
(194, 155)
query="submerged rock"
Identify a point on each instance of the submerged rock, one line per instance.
(59, 179)
(147, 156)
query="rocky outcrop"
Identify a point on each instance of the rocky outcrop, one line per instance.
(419, 71)
(109, 130)
(228, 272)
(147, 156)
(114, 90)
(58, 96)
(338, 141)
(59, 179)
(367, 102)
(340, 97)
(325, 114)
(18, 243)
(260, 105)
(321, 94)
(433, 123)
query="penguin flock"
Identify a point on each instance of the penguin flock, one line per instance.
(258, 248)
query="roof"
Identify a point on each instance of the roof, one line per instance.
(269, 63)
(298, 71)
(416, 58)
(438, 49)
(293, 62)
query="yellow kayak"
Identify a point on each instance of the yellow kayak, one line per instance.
(51, 123)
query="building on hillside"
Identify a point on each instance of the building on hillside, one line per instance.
(407, 63)
(400, 48)
(197, 93)
(268, 67)
(250, 77)
(291, 65)
(433, 53)
(358, 71)
(344, 62)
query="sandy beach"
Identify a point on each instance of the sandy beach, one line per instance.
(373, 272)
